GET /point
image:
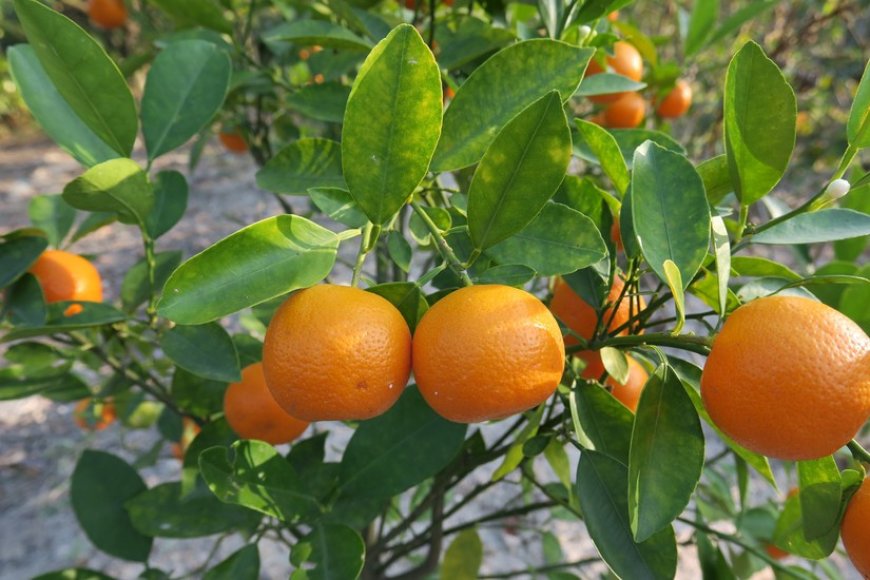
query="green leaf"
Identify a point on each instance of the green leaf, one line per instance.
(759, 124)
(816, 227)
(738, 18)
(213, 433)
(338, 205)
(87, 79)
(854, 300)
(669, 209)
(18, 251)
(170, 203)
(51, 110)
(519, 172)
(24, 302)
(407, 297)
(56, 321)
(336, 551)
(302, 165)
(262, 261)
(306, 32)
(101, 484)
(559, 240)
(243, 564)
(118, 185)
(92, 223)
(56, 386)
(197, 12)
(515, 456)
(467, 40)
(186, 86)
(705, 13)
(73, 574)
(675, 284)
(602, 423)
(499, 90)
(136, 288)
(259, 478)
(858, 127)
(789, 533)
(722, 249)
(757, 266)
(820, 496)
(53, 215)
(606, 149)
(197, 395)
(607, 84)
(392, 123)
(324, 102)
(401, 448)
(716, 176)
(161, 512)
(667, 454)
(463, 557)
(509, 275)
(602, 488)
(206, 351)
(399, 250)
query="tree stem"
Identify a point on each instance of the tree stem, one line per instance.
(443, 247)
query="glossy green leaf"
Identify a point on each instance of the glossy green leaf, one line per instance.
(136, 287)
(759, 266)
(468, 39)
(24, 303)
(463, 557)
(92, 314)
(119, 185)
(161, 512)
(705, 14)
(759, 124)
(401, 448)
(52, 112)
(399, 250)
(670, 213)
(324, 102)
(18, 251)
(407, 297)
(330, 552)
(716, 176)
(392, 123)
(606, 149)
(722, 250)
(206, 351)
(667, 454)
(207, 13)
(53, 215)
(186, 86)
(101, 484)
(170, 203)
(858, 127)
(593, 9)
(789, 533)
(257, 263)
(499, 90)
(559, 240)
(303, 164)
(508, 274)
(87, 79)
(259, 478)
(307, 32)
(14, 386)
(603, 424)
(197, 395)
(338, 205)
(817, 227)
(607, 84)
(519, 172)
(243, 564)
(820, 496)
(602, 488)
(214, 433)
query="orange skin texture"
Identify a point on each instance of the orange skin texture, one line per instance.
(336, 353)
(233, 142)
(87, 421)
(629, 393)
(107, 13)
(626, 60)
(252, 412)
(581, 318)
(855, 529)
(625, 113)
(788, 377)
(486, 352)
(677, 102)
(65, 276)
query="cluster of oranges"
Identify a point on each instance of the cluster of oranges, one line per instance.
(626, 110)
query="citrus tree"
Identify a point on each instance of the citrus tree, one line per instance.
(546, 299)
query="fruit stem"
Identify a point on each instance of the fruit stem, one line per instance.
(364, 248)
(698, 344)
(443, 247)
(858, 452)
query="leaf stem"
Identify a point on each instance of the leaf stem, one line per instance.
(443, 247)
(698, 344)
(364, 247)
(858, 452)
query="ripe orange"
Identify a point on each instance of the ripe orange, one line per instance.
(581, 318)
(613, 16)
(66, 276)
(107, 13)
(629, 393)
(855, 529)
(91, 416)
(788, 377)
(677, 102)
(486, 352)
(616, 233)
(233, 142)
(626, 60)
(625, 113)
(252, 412)
(336, 353)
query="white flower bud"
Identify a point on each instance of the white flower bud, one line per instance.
(584, 31)
(837, 189)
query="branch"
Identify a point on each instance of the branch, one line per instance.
(443, 248)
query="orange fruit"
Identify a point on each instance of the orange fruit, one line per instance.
(626, 61)
(486, 352)
(85, 414)
(107, 13)
(788, 377)
(65, 276)
(233, 142)
(855, 529)
(581, 318)
(626, 112)
(775, 553)
(616, 234)
(677, 102)
(629, 393)
(336, 353)
(613, 16)
(252, 412)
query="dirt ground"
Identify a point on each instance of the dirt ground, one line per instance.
(39, 443)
